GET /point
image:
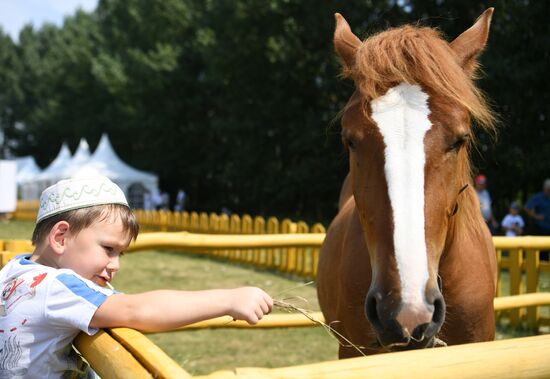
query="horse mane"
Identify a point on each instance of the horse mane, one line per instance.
(420, 55)
(417, 55)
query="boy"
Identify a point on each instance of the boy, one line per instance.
(513, 222)
(49, 296)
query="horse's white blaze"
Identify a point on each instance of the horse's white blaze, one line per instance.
(402, 117)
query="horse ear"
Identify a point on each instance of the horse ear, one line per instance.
(469, 44)
(345, 42)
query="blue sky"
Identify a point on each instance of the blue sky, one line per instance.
(14, 14)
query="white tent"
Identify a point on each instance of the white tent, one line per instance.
(135, 183)
(8, 186)
(63, 165)
(104, 161)
(80, 158)
(27, 169)
(51, 174)
(27, 173)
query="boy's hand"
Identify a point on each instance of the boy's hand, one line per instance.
(249, 304)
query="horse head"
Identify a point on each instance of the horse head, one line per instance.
(407, 129)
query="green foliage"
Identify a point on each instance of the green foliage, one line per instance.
(238, 101)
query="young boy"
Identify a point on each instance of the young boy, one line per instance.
(49, 296)
(513, 222)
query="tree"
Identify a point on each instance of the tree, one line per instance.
(238, 101)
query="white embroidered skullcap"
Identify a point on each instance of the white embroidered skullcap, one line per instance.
(77, 193)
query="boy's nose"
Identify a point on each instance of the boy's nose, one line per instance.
(114, 264)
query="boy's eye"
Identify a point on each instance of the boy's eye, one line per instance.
(108, 248)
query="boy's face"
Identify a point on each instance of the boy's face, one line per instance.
(94, 252)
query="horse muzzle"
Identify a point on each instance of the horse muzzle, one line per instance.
(402, 326)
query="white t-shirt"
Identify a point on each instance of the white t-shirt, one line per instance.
(511, 220)
(42, 310)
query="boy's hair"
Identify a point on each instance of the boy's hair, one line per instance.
(82, 218)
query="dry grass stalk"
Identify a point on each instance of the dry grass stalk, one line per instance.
(293, 308)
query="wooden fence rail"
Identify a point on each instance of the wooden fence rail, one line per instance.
(123, 353)
(298, 253)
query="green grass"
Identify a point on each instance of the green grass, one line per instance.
(205, 351)
(16, 230)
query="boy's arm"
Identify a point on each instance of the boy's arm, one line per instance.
(168, 309)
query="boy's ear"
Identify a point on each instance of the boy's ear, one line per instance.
(58, 236)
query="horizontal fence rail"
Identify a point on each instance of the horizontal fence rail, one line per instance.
(508, 359)
(111, 355)
(297, 254)
(123, 353)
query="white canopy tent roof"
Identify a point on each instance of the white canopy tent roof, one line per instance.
(106, 162)
(51, 173)
(80, 158)
(27, 169)
(32, 187)
(27, 173)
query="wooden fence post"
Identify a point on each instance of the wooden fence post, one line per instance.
(316, 228)
(224, 229)
(273, 255)
(516, 263)
(302, 253)
(289, 254)
(532, 265)
(235, 228)
(203, 223)
(185, 221)
(259, 258)
(246, 228)
(194, 224)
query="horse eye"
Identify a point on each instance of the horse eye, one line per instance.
(460, 141)
(350, 144)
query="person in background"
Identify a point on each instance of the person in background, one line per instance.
(156, 199)
(181, 196)
(538, 210)
(513, 223)
(147, 201)
(480, 184)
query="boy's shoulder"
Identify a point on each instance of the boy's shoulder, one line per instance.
(23, 265)
(22, 279)
(22, 269)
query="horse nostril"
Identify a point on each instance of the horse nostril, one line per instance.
(372, 311)
(418, 332)
(439, 311)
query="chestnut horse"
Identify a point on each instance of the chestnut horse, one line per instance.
(408, 261)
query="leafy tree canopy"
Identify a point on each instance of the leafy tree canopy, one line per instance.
(238, 101)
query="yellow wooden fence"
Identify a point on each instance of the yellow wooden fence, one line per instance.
(117, 353)
(26, 210)
(297, 254)
(115, 356)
